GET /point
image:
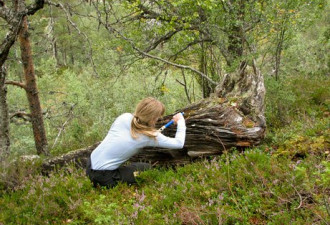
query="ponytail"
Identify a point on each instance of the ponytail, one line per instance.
(147, 112)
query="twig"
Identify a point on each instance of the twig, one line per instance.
(301, 201)
(61, 130)
(16, 83)
(185, 86)
(25, 116)
(189, 45)
(63, 126)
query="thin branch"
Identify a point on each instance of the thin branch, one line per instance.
(162, 39)
(176, 65)
(149, 14)
(10, 38)
(63, 125)
(189, 45)
(16, 83)
(301, 201)
(185, 85)
(180, 82)
(161, 59)
(33, 8)
(25, 116)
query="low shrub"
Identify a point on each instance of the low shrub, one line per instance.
(251, 187)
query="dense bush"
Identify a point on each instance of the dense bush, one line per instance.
(296, 97)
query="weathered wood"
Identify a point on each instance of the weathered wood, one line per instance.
(232, 117)
(79, 157)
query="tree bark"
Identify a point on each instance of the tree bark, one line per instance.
(206, 89)
(4, 117)
(32, 93)
(52, 36)
(278, 53)
(233, 116)
(78, 157)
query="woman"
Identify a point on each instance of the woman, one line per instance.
(127, 135)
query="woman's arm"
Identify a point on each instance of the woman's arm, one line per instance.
(173, 143)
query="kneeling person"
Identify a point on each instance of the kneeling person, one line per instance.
(128, 134)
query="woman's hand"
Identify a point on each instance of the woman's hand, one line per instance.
(178, 117)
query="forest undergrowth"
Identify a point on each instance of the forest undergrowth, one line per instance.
(286, 180)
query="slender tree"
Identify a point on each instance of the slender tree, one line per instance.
(31, 89)
(16, 18)
(4, 116)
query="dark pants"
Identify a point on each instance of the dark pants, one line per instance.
(110, 178)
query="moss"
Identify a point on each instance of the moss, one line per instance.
(248, 123)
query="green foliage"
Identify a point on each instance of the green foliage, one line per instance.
(15, 172)
(53, 199)
(297, 114)
(296, 97)
(244, 188)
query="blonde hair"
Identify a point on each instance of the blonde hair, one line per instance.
(146, 114)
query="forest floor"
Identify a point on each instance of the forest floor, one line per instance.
(284, 181)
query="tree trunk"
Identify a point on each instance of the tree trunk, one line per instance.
(52, 36)
(79, 157)
(206, 90)
(4, 116)
(278, 53)
(235, 45)
(231, 117)
(32, 91)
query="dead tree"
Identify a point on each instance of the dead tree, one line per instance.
(232, 117)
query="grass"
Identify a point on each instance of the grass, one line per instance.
(251, 187)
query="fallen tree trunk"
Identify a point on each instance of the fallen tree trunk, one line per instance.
(232, 117)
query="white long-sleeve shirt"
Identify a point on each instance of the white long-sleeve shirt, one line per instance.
(118, 146)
